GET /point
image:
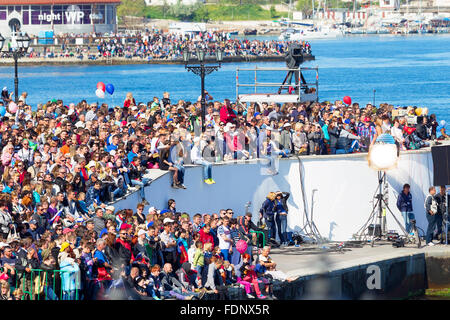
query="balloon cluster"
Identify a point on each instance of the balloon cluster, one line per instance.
(101, 88)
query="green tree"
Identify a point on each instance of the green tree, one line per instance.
(202, 14)
(305, 6)
(273, 12)
(135, 8)
(184, 12)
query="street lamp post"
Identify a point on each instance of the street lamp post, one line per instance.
(19, 46)
(202, 70)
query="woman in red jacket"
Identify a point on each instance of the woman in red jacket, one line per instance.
(206, 236)
(129, 100)
(226, 112)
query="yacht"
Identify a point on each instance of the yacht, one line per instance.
(293, 34)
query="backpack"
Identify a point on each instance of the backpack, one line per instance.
(433, 206)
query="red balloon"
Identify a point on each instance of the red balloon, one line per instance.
(347, 100)
(101, 86)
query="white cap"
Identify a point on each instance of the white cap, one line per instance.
(91, 164)
(110, 208)
(141, 232)
(151, 209)
(287, 124)
(80, 124)
(167, 220)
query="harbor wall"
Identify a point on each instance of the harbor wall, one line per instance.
(399, 277)
(342, 203)
(125, 61)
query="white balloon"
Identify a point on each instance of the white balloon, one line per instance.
(99, 93)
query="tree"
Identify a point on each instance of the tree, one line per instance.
(134, 8)
(184, 12)
(202, 14)
(273, 12)
(305, 6)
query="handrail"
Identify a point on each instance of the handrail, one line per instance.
(29, 288)
(271, 84)
(277, 69)
(260, 232)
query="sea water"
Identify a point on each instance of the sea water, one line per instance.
(403, 70)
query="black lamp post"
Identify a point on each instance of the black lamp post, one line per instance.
(20, 45)
(202, 70)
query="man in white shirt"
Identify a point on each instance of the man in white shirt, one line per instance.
(225, 239)
(23, 97)
(197, 158)
(270, 265)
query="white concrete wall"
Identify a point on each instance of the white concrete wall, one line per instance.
(345, 187)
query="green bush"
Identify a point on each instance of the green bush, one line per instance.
(214, 12)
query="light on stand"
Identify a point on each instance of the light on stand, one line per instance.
(383, 154)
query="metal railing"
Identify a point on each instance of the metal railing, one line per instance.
(260, 233)
(256, 84)
(37, 286)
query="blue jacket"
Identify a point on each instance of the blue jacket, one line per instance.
(268, 208)
(404, 202)
(92, 195)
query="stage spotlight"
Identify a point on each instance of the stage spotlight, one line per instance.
(383, 154)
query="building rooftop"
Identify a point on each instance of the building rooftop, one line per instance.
(53, 2)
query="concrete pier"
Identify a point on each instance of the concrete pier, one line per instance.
(403, 272)
(134, 60)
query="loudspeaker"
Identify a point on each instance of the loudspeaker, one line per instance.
(441, 165)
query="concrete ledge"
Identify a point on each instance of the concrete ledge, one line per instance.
(134, 60)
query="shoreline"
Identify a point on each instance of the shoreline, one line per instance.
(8, 62)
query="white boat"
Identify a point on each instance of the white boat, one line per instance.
(293, 34)
(383, 31)
(357, 31)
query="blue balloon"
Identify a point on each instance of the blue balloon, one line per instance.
(2, 111)
(110, 88)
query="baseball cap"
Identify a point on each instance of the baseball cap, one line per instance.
(167, 220)
(151, 209)
(67, 230)
(110, 208)
(33, 222)
(141, 232)
(125, 226)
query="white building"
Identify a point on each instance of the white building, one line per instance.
(171, 2)
(389, 4)
(57, 16)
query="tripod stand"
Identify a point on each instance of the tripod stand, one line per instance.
(298, 77)
(377, 215)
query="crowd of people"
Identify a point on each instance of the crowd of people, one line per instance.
(157, 44)
(62, 164)
(161, 254)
